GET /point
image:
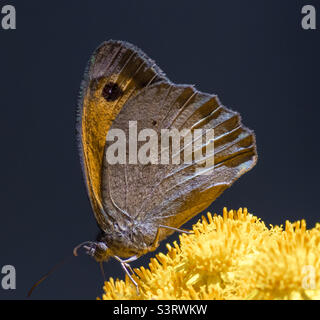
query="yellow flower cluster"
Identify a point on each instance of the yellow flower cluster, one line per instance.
(234, 256)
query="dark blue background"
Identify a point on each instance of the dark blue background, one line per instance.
(253, 54)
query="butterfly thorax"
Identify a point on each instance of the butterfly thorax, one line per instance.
(124, 241)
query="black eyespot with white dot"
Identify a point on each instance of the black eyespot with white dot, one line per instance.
(111, 91)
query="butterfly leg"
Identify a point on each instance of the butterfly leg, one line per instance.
(126, 262)
(176, 229)
(133, 258)
(155, 243)
(125, 265)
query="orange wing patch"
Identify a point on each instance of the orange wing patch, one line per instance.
(118, 71)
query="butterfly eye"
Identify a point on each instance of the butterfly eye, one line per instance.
(111, 91)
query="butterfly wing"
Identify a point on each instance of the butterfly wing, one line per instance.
(116, 72)
(171, 194)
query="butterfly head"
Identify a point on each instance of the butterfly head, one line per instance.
(98, 250)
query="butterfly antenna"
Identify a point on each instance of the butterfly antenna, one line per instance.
(102, 271)
(58, 265)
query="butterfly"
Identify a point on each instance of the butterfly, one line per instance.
(137, 205)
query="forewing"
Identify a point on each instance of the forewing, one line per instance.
(171, 194)
(116, 72)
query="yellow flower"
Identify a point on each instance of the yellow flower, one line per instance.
(234, 256)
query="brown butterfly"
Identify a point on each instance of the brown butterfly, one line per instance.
(136, 205)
